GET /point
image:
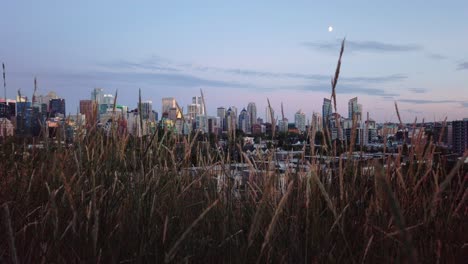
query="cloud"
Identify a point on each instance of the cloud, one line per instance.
(422, 101)
(349, 89)
(436, 56)
(153, 63)
(376, 79)
(158, 64)
(464, 104)
(418, 90)
(463, 66)
(412, 111)
(363, 46)
(155, 79)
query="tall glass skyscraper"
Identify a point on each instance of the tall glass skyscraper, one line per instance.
(326, 111)
(252, 111)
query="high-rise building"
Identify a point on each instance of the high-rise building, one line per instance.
(354, 109)
(252, 111)
(97, 95)
(146, 109)
(335, 124)
(196, 108)
(221, 113)
(300, 121)
(235, 114)
(326, 111)
(231, 119)
(57, 107)
(460, 136)
(88, 108)
(317, 122)
(7, 108)
(244, 121)
(167, 104)
(283, 125)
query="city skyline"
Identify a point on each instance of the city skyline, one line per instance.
(244, 53)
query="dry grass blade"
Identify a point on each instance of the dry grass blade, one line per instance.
(272, 116)
(325, 194)
(334, 80)
(367, 249)
(171, 254)
(446, 183)
(395, 210)
(274, 220)
(9, 233)
(398, 114)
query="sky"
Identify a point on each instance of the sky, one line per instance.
(411, 52)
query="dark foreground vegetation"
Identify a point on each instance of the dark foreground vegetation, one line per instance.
(114, 199)
(103, 201)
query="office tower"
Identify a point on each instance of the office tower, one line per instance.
(167, 104)
(326, 111)
(300, 121)
(269, 115)
(7, 108)
(370, 130)
(88, 108)
(221, 113)
(57, 107)
(460, 136)
(252, 110)
(200, 106)
(4, 110)
(236, 115)
(146, 109)
(317, 122)
(354, 109)
(283, 125)
(336, 124)
(97, 95)
(231, 119)
(244, 121)
(174, 114)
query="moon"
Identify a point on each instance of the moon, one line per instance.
(330, 29)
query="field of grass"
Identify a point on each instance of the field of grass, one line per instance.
(120, 199)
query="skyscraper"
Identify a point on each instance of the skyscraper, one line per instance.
(300, 121)
(221, 113)
(231, 119)
(87, 108)
(354, 109)
(317, 122)
(252, 110)
(167, 104)
(326, 111)
(57, 107)
(460, 136)
(146, 109)
(244, 121)
(97, 95)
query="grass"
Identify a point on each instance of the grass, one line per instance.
(118, 199)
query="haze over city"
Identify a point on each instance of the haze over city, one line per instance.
(414, 53)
